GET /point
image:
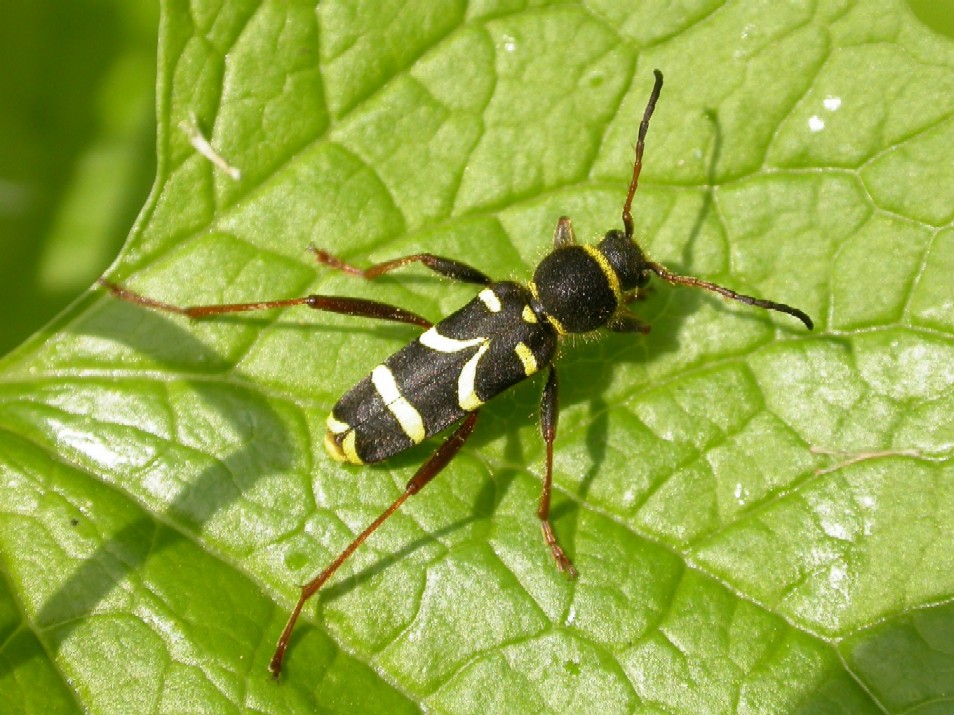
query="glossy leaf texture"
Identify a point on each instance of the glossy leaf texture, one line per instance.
(762, 517)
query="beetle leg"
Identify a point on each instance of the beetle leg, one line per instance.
(563, 233)
(430, 469)
(549, 415)
(627, 323)
(641, 293)
(447, 267)
(332, 304)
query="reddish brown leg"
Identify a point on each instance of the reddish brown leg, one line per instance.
(563, 233)
(430, 469)
(627, 323)
(549, 415)
(331, 304)
(639, 294)
(444, 266)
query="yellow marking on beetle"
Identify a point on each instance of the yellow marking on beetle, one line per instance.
(333, 448)
(442, 344)
(527, 358)
(533, 290)
(348, 444)
(490, 299)
(345, 451)
(337, 426)
(466, 391)
(557, 325)
(404, 412)
(607, 269)
(528, 315)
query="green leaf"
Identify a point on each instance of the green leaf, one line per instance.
(762, 517)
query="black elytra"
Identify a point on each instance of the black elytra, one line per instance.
(505, 335)
(492, 343)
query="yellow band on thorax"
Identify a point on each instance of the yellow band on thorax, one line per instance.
(608, 271)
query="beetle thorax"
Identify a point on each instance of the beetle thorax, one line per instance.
(577, 288)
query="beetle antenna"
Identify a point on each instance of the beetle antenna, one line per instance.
(676, 279)
(640, 143)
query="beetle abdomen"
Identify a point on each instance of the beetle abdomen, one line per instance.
(490, 344)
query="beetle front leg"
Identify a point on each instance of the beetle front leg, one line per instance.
(549, 415)
(628, 323)
(563, 233)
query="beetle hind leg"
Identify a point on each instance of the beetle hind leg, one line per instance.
(441, 457)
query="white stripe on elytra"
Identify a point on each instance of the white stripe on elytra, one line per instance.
(466, 393)
(442, 344)
(336, 425)
(408, 417)
(490, 299)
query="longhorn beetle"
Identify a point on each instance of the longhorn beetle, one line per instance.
(506, 334)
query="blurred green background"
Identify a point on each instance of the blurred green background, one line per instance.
(77, 147)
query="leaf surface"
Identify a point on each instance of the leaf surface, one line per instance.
(762, 517)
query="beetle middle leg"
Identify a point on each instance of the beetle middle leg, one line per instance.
(430, 469)
(447, 267)
(549, 415)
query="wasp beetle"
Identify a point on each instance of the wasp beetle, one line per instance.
(506, 334)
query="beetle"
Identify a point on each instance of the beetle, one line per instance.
(506, 334)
